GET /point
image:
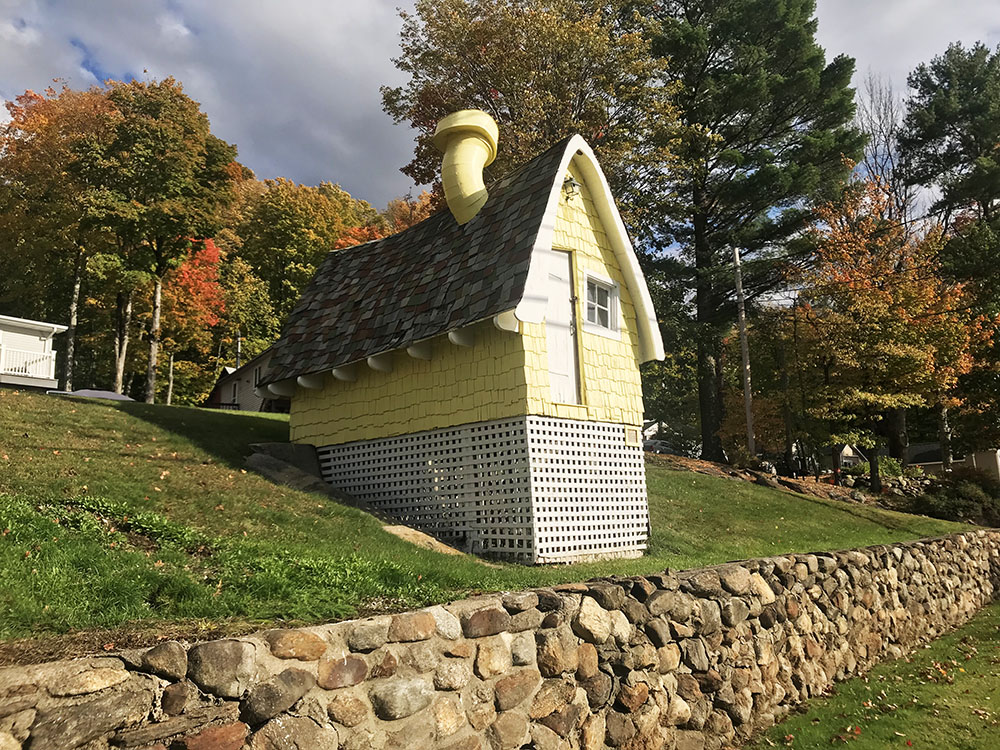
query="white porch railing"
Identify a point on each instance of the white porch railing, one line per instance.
(27, 364)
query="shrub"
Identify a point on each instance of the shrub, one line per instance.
(888, 467)
(858, 470)
(914, 472)
(965, 494)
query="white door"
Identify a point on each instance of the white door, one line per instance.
(560, 328)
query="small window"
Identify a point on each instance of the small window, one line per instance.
(256, 377)
(601, 315)
(234, 392)
(599, 303)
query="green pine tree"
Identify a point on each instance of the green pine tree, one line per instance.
(767, 129)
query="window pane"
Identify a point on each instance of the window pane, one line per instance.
(602, 296)
(591, 291)
(603, 317)
(591, 312)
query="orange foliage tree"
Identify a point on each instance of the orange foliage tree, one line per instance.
(46, 226)
(892, 331)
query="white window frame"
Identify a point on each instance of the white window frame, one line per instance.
(613, 331)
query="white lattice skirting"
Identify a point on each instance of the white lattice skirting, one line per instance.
(526, 489)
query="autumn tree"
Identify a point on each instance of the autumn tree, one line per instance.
(46, 227)
(193, 306)
(290, 228)
(766, 122)
(897, 334)
(159, 182)
(543, 69)
(403, 213)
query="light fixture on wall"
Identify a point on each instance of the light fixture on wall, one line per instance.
(571, 188)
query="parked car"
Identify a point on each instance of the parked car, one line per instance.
(660, 446)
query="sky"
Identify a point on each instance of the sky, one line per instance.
(295, 83)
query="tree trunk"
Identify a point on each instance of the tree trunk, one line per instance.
(170, 380)
(875, 470)
(899, 441)
(123, 319)
(79, 266)
(154, 342)
(709, 340)
(944, 436)
(835, 461)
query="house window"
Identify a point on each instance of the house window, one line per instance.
(602, 306)
(256, 377)
(234, 392)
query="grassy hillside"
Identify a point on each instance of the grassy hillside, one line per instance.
(942, 696)
(123, 513)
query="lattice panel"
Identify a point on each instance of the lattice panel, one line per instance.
(527, 489)
(588, 490)
(467, 485)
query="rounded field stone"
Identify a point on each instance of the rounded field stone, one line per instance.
(452, 675)
(412, 626)
(493, 658)
(167, 660)
(586, 661)
(223, 668)
(368, 636)
(294, 733)
(509, 731)
(348, 710)
(339, 673)
(514, 690)
(485, 622)
(295, 644)
(175, 698)
(397, 700)
(592, 622)
(631, 697)
(269, 698)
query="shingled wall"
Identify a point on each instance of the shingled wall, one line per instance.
(685, 661)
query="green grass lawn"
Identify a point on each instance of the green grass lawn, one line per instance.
(123, 514)
(943, 697)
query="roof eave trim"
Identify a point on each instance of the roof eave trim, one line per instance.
(531, 308)
(504, 321)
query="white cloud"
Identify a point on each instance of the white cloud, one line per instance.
(294, 83)
(892, 37)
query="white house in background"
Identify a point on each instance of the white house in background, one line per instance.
(26, 356)
(235, 388)
(928, 457)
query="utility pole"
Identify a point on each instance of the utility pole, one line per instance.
(239, 347)
(745, 351)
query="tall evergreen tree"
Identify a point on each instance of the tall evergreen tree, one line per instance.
(951, 142)
(767, 124)
(952, 129)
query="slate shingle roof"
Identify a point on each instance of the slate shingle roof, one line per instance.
(425, 281)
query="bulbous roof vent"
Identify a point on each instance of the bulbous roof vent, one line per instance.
(468, 140)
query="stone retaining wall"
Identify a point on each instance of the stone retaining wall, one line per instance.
(675, 661)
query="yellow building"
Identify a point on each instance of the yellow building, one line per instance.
(477, 375)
